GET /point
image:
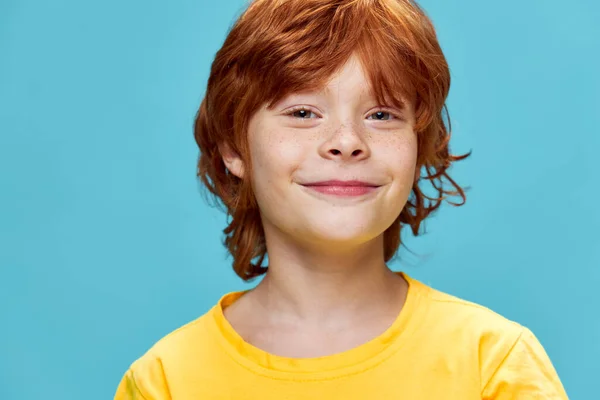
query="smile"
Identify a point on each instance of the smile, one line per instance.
(342, 191)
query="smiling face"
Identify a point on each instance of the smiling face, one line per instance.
(337, 134)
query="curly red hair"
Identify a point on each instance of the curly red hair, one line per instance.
(278, 47)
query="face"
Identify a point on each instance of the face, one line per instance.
(331, 168)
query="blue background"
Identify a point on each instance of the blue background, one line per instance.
(106, 244)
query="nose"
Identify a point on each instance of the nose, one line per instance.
(347, 143)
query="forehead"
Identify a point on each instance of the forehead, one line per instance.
(350, 80)
(350, 76)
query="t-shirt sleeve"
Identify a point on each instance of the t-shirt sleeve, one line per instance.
(526, 372)
(128, 390)
(145, 380)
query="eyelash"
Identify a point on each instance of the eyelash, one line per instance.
(303, 108)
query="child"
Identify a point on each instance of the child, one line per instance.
(321, 127)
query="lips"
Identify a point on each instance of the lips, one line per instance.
(342, 183)
(342, 188)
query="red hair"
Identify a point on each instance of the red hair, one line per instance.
(278, 47)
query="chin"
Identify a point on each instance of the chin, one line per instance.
(343, 232)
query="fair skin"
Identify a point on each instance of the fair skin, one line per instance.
(328, 288)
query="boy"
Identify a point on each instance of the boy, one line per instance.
(321, 121)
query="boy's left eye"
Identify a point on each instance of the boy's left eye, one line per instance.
(380, 115)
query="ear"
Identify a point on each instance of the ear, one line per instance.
(232, 160)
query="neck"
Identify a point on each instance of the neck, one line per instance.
(328, 286)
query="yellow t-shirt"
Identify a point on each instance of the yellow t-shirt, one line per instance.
(439, 347)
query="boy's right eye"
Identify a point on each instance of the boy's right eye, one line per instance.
(300, 113)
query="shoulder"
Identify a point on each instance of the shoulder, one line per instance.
(483, 336)
(187, 348)
(509, 356)
(462, 317)
(192, 336)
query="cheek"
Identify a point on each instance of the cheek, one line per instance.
(400, 156)
(275, 154)
(275, 157)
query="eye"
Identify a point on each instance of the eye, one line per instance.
(304, 113)
(381, 116)
(300, 113)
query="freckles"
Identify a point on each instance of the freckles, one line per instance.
(401, 151)
(294, 146)
(326, 132)
(391, 143)
(402, 144)
(406, 142)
